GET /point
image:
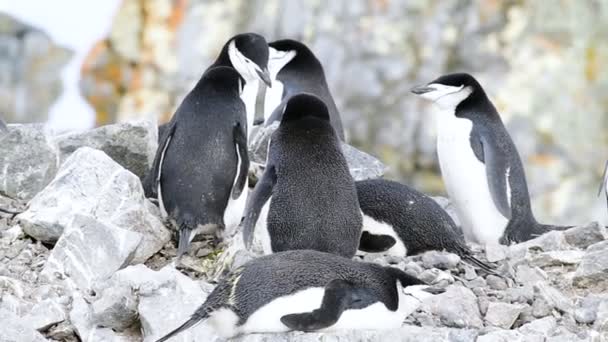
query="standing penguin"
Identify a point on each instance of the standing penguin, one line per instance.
(248, 54)
(400, 221)
(200, 168)
(604, 183)
(307, 291)
(294, 69)
(480, 165)
(314, 200)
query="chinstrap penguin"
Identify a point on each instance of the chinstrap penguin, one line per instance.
(200, 168)
(307, 291)
(294, 69)
(312, 196)
(400, 221)
(481, 168)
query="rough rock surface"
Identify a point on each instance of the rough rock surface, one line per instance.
(28, 161)
(90, 183)
(132, 145)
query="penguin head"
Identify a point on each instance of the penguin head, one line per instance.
(304, 105)
(284, 51)
(223, 78)
(448, 91)
(248, 53)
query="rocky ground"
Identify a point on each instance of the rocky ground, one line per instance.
(89, 258)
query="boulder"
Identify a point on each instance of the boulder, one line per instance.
(553, 297)
(503, 315)
(90, 251)
(441, 260)
(91, 183)
(456, 307)
(28, 161)
(15, 328)
(585, 236)
(116, 308)
(592, 272)
(544, 326)
(557, 258)
(131, 144)
(44, 314)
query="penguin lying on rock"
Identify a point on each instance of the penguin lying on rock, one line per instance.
(480, 165)
(307, 291)
(400, 221)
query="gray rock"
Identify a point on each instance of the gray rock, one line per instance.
(509, 336)
(496, 253)
(586, 313)
(551, 241)
(592, 272)
(567, 337)
(525, 274)
(540, 308)
(361, 165)
(116, 308)
(44, 314)
(90, 251)
(28, 159)
(496, 283)
(16, 329)
(457, 307)
(544, 326)
(91, 183)
(441, 260)
(585, 236)
(132, 145)
(553, 297)
(601, 319)
(81, 318)
(503, 315)
(557, 258)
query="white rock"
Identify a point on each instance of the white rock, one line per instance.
(116, 308)
(551, 241)
(592, 272)
(509, 336)
(44, 314)
(496, 252)
(90, 251)
(557, 258)
(89, 182)
(457, 307)
(15, 328)
(503, 315)
(544, 326)
(525, 274)
(554, 297)
(585, 236)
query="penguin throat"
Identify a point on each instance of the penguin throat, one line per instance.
(242, 64)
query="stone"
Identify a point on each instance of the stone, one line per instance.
(91, 183)
(116, 308)
(28, 161)
(592, 272)
(16, 329)
(540, 308)
(586, 312)
(503, 315)
(44, 314)
(585, 236)
(601, 319)
(456, 307)
(496, 283)
(90, 251)
(557, 258)
(132, 144)
(361, 165)
(508, 336)
(551, 241)
(525, 274)
(259, 140)
(495, 252)
(81, 318)
(553, 297)
(544, 326)
(440, 260)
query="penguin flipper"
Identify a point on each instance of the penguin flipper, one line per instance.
(340, 295)
(153, 178)
(261, 194)
(240, 140)
(372, 243)
(497, 172)
(604, 183)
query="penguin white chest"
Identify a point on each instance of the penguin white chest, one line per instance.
(466, 181)
(249, 97)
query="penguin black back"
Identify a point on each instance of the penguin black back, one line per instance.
(307, 177)
(303, 74)
(196, 165)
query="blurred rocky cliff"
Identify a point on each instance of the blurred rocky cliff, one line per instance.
(540, 62)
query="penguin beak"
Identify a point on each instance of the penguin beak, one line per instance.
(265, 76)
(419, 90)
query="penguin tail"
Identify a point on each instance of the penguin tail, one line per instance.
(201, 314)
(484, 266)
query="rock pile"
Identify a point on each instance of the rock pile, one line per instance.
(89, 259)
